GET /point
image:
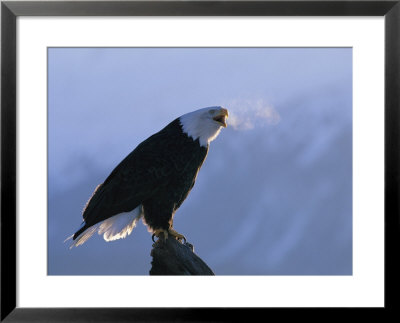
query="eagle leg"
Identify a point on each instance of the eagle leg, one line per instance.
(177, 235)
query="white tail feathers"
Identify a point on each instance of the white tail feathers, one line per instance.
(116, 227)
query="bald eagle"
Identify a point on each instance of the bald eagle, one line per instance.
(153, 180)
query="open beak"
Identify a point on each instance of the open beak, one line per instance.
(221, 117)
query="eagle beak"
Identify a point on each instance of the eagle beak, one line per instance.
(221, 117)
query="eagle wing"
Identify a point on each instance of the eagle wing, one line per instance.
(150, 167)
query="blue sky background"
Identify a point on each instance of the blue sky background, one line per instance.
(274, 196)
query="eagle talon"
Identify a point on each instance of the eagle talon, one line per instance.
(160, 234)
(184, 240)
(177, 235)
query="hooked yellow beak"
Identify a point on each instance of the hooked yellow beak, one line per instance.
(221, 116)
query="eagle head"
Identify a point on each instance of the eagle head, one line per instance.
(204, 124)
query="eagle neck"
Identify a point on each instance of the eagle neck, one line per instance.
(204, 132)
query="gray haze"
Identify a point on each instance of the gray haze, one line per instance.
(274, 196)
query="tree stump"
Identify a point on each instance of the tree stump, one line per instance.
(172, 257)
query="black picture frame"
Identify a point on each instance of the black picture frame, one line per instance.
(10, 10)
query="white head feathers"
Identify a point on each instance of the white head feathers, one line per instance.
(204, 124)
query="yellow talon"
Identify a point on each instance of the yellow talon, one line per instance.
(160, 232)
(177, 235)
